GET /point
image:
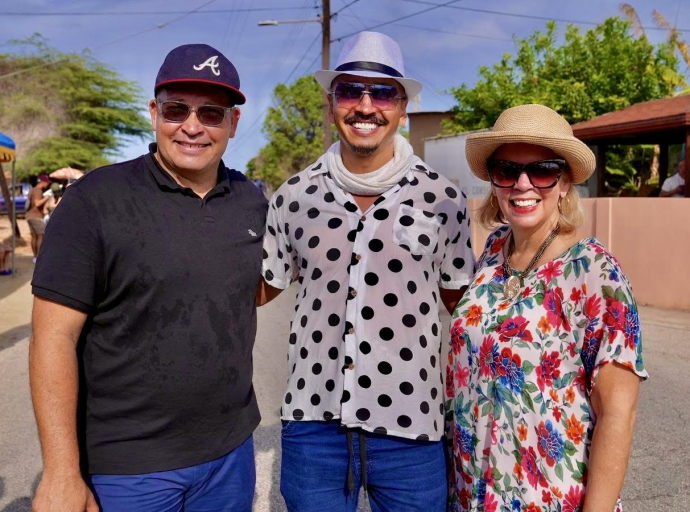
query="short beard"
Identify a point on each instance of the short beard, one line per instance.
(364, 150)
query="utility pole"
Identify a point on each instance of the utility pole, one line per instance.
(325, 21)
(326, 64)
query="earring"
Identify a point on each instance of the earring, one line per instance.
(560, 209)
(491, 202)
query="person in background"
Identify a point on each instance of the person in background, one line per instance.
(5, 251)
(144, 314)
(377, 242)
(35, 216)
(674, 186)
(545, 361)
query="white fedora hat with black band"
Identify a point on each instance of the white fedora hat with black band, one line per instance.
(370, 54)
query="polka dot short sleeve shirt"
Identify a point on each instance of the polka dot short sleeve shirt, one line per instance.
(365, 340)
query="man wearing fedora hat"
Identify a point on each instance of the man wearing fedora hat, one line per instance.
(141, 355)
(376, 240)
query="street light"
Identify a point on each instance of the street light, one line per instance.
(325, 21)
(269, 23)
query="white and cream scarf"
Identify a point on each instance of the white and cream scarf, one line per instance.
(376, 182)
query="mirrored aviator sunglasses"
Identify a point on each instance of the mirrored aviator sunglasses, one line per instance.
(383, 97)
(178, 112)
(541, 174)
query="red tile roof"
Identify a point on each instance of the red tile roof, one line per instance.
(642, 118)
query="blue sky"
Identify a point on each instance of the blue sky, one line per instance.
(442, 48)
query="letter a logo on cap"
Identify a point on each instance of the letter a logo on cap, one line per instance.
(211, 62)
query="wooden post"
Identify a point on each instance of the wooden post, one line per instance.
(601, 170)
(663, 163)
(326, 64)
(9, 200)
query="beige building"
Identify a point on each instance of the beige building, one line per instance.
(424, 125)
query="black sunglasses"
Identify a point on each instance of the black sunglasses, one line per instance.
(541, 174)
(383, 97)
(178, 112)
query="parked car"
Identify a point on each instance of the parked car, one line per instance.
(20, 196)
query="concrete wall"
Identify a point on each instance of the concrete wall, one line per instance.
(424, 125)
(650, 237)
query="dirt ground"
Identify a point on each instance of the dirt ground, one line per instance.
(15, 308)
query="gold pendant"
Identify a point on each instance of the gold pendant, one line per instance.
(511, 287)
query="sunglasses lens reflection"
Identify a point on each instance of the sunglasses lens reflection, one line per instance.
(208, 115)
(383, 97)
(541, 174)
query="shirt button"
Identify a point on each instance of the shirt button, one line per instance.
(358, 257)
(353, 293)
(351, 367)
(364, 217)
(350, 331)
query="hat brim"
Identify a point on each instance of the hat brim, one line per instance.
(480, 146)
(325, 78)
(236, 95)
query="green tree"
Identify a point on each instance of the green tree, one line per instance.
(66, 109)
(602, 70)
(294, 130)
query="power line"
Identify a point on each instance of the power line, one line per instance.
(440, 31)
(250, 130)
(159, 26)
(436, 6)
(344, 7)
(156, 13)
(303, 56)
(526, 16)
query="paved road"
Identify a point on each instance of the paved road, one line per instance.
(658, 479)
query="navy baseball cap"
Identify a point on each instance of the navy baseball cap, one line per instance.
(200, 63)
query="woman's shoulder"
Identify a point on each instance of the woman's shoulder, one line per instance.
(493, 246)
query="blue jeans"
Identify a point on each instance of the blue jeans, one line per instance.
(224, 484)
(402, 474)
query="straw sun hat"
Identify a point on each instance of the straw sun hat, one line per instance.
(531, 124)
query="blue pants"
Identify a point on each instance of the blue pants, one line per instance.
(402, 474)
(224, 484)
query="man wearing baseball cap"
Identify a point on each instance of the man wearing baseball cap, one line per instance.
(141, 355)
(376, 240)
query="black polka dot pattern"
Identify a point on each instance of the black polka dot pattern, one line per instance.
(363, 344)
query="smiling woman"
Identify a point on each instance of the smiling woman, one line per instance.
(546, 355)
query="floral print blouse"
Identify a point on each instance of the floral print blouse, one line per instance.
(520, 373)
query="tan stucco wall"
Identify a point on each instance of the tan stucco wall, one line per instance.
(650, 237)
(424, 125)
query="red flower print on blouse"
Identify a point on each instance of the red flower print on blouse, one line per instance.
(614, 317)
(553, 302)
(497, 245)
(532, 507)
(546, 496)
(490, 503)
(457, 340)
(592, 307)
(514, 328)
(548, 369)
(461, 375)
(551, 269)
(529, 464)
(574, 499)
(450, 384)
(488, 354)
(576, 295)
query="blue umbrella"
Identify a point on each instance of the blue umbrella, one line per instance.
(7, 148)
(7, 154)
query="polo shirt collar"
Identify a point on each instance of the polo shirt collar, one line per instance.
(164, 179)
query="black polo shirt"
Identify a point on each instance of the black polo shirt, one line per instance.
(168, 282)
